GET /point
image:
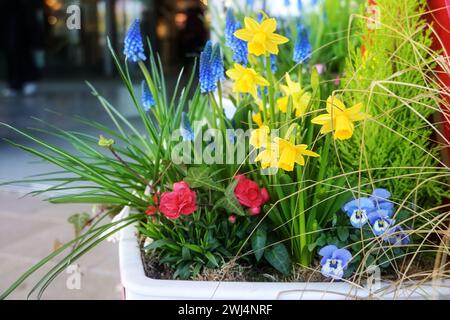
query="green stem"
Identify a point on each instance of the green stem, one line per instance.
(271, 89)
(302, 222)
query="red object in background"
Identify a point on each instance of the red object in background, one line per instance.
(439, 17)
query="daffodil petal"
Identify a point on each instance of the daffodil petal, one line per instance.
(244, 34)
(269, 25)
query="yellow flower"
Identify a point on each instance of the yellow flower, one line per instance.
(300, 98)
(339, 119)
(104, 142)
(261, 37)
(291, 154)
(246, 80)
(260, 137)
(268, 157)
(257, 119)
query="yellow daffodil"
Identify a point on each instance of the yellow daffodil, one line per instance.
(339, 119)
(291, 154)
(260, 137)
(257, 119)
(246, 80)
(268, 157)
(260, 36)
(300, 98)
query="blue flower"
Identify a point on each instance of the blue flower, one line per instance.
(133, 46)
(302, 48)
(380, 221)
(334, 261)
(287, 3)
(230, 28)
(358, 211)
(380, 198)
(186, 130)
(250, 3)
(238, 46)
(299, 5)
(396, 236)
(147, 98)
(211, 68)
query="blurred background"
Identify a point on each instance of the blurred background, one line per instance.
(44, 60)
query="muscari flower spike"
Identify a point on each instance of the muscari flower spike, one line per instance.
(133, 46)
(147, 98)
(302, 48)
(334, 261)
(211, 68)
(396, 236)
(238, 46)
(357, 210)
(186, 130)
(381, 221)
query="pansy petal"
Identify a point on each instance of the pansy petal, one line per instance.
(344, 255)
(381, 193)
(327, 251)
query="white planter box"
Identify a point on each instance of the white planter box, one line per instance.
(139, 287)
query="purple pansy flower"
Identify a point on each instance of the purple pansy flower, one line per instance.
(396, 236)
(381, 221)
(334, 261)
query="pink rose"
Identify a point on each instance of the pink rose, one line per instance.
(250, 195)
(181, 201)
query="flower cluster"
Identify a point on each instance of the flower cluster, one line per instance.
(377, 210)
(250, 195)
(180, 201)
(238, 46)
(302, 48)
(133, 46)
(147, 98)
(211, 68)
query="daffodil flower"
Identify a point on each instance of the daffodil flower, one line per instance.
(246, 80)
(260, 137)
(291, 154)
(260, 37)
(300, 98)
(268, 157)
(339, 119)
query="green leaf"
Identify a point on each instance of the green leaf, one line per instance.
(259, 239)
(212, 259)
(278, 256)
(229, 201)
(315, 80)
(342, 233)
(200, 177)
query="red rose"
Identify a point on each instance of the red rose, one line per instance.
(250, 195)
(181, 201)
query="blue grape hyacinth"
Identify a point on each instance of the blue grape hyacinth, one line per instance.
(238, 46)
(147, 98)
(133, 46)
(186, 130)
(302, 48)
(211, 68)
(334, 261)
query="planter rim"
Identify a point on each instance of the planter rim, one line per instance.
(138, 286)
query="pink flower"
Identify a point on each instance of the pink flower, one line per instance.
(181, 201)
(232, 218)
(250, 195)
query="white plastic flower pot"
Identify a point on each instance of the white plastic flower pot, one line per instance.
(137, 286)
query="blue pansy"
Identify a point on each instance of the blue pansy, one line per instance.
(302, 48)
(396, 236)
(358, 211)
(381, 221)
(380, 198)
(334, 261)
(147, 98)
(211, 68)
(186, 130)
(133, 46)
